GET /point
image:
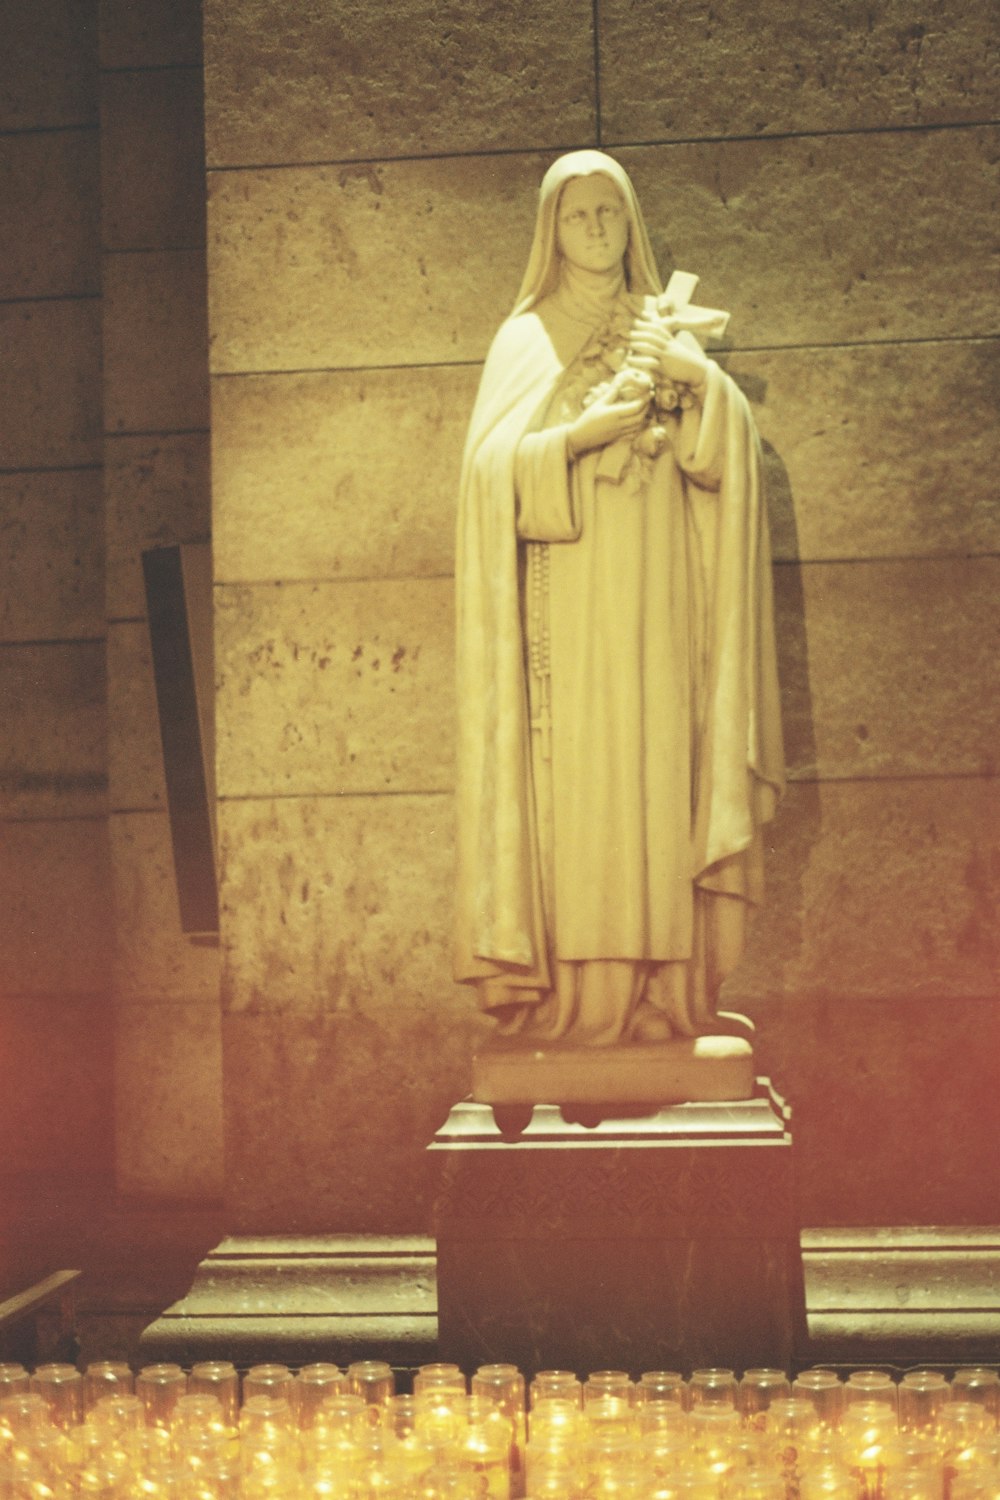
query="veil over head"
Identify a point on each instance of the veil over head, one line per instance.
(542, 274)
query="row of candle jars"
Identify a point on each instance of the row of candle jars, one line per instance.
(333, 1433)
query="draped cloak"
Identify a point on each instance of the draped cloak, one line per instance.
(663, 870)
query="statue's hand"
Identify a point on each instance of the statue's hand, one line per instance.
(604, 421)
(654, 348)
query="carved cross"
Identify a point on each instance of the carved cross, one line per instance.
(674, 305)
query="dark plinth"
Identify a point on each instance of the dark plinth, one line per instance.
(669, 1241)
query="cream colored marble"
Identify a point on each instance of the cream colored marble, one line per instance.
(342, 83)
(55, 912)
(334, 687)
(877, 890)
(53, 746)
(885, 668)
(886, 451)
(152, 159)
(53, 81)
(158, 494)
(154, 961)
(802, 67)
(168, 1100)
(51, 556)
(149, 34)
(344, 445)
(675, 1072)
(328, 267)
(135, 756)
(155, 360)
(338, 904)
(49, 233)
(50, 384)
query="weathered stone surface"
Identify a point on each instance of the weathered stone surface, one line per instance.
(51, 556)
(169, 1100)
(707, 69)
(152, 160)
(886, 667)
(878, 890)
(53, 751)
(341, 687)
(155, 341)
(338, 475)
(50, 384)
(339, 904)
(341, 83)
(879, 451)
(328, 1116)
(895, 1109)
(55, 910)
(50, 72)
(154, 961)
(56, 1077)
(49, 239)
(149, 34)
(158, 495)
(135, 757)
(328, 267)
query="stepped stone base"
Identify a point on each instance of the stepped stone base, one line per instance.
(298, 1299)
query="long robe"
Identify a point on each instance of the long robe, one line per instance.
(627, 827)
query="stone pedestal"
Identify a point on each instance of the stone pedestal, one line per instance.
(669, 1240)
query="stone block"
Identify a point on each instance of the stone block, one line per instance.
(49, 233)
(394, 263)
(332, 267)
(671, 72)
(154, 961)
(149, 34)
(56, 1077)
(158, 495)
(51, 556)
(135, 756)
(342, 82)
(55, 908)
(926, 632)
(50, 384)
(153, 160)
(879, 451)
(328, 1116)
(339, 904)
(53, 752)
(50, 73)
(338, 475)
(841, 238)
(877, 889)
(334, 687)
(894, 1102)
(155, 341)
(168, 1099)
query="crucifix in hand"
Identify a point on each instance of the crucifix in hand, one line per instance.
(675, 307)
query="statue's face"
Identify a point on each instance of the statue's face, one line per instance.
(592, 224)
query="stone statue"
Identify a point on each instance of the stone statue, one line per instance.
(619, 734)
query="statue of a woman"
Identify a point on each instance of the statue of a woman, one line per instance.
(619, 738)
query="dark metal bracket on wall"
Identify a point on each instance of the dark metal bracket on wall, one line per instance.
(179, 607)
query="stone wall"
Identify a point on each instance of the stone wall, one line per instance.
(831, 174)
(110, 1058)
(55, 927)
(168, 1113)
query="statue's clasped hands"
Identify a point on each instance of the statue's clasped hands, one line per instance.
(668, 359)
